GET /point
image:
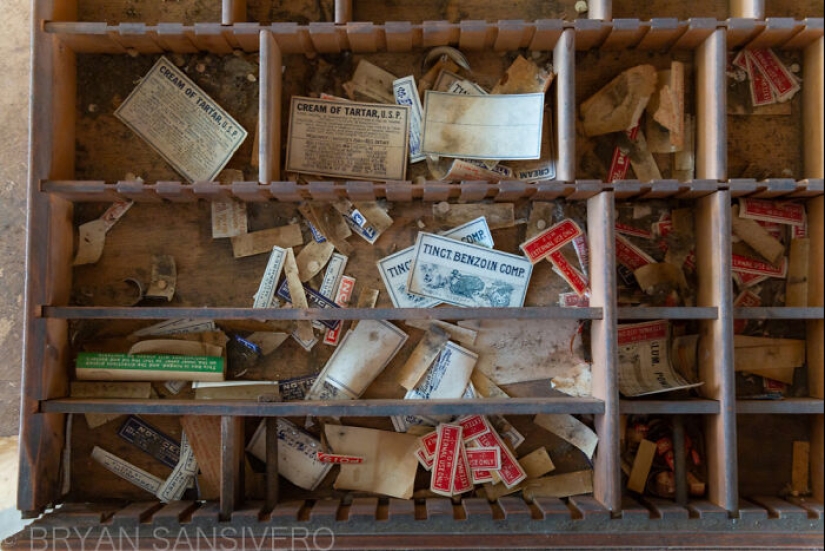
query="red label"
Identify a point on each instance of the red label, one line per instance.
(462, 482)
(511, 472)
(773, 386)
(629, 256)
(572, 300)
(621, 158)
(627, 229)
(772, 211)
(780, 78)
(748, 280)
(342, 298)
(428, 443)
(549, 240)
(473, 426)
(800, 231)
(663, 227)
(746, 299)
(426, 462)
(484, 458)
(339, 459)
(748, 265)
(641, 332)
(446, 459)
(582, 251)
(761, 91)
(690, 260)
(571, 275)
(740, 61)
(480, 476)
(663, 445)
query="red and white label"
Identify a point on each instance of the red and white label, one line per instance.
(554, 238)
(740, 61)
(473, 426)
(641, 332)
(339, 459)
(627, 229)
(462, 482)
(772, 211)
(748, 265)
(426, 462)
(572, 300)
(663, 227)
(748, 280)
(342, 298)
(428, 443)
(800, 231)
(746, 299)
(571, 275)
(630, 256)
(446, 459)
(781, 79)
(621, 157)
(511, 472)
(760, 86)
(774, 386)
(484, 458)
(582, 251)
(480, 476)
(690, 260)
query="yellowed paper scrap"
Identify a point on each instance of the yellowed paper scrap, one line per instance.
(483, 127)
(228, 219)
(182, 123)
(351, 140)
(570, 429)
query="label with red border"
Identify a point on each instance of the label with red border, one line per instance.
(338, 459)
(511, 472)
(428, 443)
(446, 459)
(627, 229)
(748, 265)
(538, 247)
(630, 256)
(760, 86)
(481, 476)
(342, 298)
(641, 332)
(582, 251)
(473, 426)
(426, 462)
(462, 482)
(572, 300)
(621, 157)
(571, 275)
(746, 299)
(488, 458)
(800, 231)
(780, 77)
(743, 279)
(772, 211)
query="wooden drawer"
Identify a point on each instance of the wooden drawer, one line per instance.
(87, 52)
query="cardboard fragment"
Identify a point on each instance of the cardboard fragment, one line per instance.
(498, 215)
(443, 65)
(228, 218)
(757, 237)
(462, 335)
(263, 241)
(330, 223)
(203, 431)
(422, 357)
(524, 77)
(312, 258)
(445, 80)
(796, 286)
(375, 215)
(173, 346)
(297, 454)
(485, 387)
(684, 160)
(642, 161)
(618, 105)
(92, 235)
(570, 429)
(296, 291)
(370, 83)
(665, 129)
(771, 358)
(537, 463)
(801, 473)
(657, 277)
(641, 466)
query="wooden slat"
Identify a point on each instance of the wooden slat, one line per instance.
(233, 11)
(173, 513)
(343, 11)
(813, 107)
(625, 33)
(232, 465)
(477, 508)
(742, 30)
(748, 511)
(711, 90)
(788, 406)
(135, 513)
(589, 508)
(634, 511)
(651, 407)
(706, 510)
(325, 511)
(272, 476)
(663, 33)
(778, 30)
(514, 508)
(665, 509)
(439, 508)
(600, 225)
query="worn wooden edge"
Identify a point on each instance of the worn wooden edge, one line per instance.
(711, 100)
(669, 407)
(664, 312)
(343, 408)
(779, 312)
(232, 465)
(798, 406)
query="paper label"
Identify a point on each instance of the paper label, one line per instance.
(92, 364)
(394, 270)
(475, 232)
(571, 275)
(488, 458)
(473, 427)
(127, 471)
(332, 277)
(350, 140)
(316, 235)
(448, 376)
(462, 482)
(551, 239)
(465, 170)
(406, 93)
(582, 251)
(269, 282)
(626, 229)
(746, 265)
(760, 87)
(295, 389)
(467, 275)
(782, 80)
(183, 124)
(297, 454)
(182, 475)
(228, 219)
(446, 459)
(743, 279)
(630, 256)
(511, 472)
(772, 211)
(573, 300)
(363, 353)
(426, 462)
(428, 443)
(644, 361)
(314, 299)
(465, 88)
(144, 436)
(746, 299)
(176, 327)
(621, 157)
(342, 299)
(483, 127)
(338, 459)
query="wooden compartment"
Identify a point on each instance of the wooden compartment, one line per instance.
(70, 185)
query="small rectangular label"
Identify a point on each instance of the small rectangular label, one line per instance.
(423, 460)
(475, 232)
(338, 459)
(748, 265)
(127, 471)
(295, 389)
(462, 482)
(488, 458)
(760, 87)
(181, 122)
(147, 438)
(342, 298)
(473, 427)
(467, 275)
(511, 472)
(428, 443)
(394, 270)
(266, 289)
(772, 211)
(781, 79)
(406, 93)
(446, 459)
(573, 300)
(554, 238)
(630, 256)
(627, 229)
(571, 275)
(640, 332)
(351, 140)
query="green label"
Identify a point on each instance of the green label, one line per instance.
(150, 362)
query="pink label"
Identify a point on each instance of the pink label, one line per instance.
(446, 459)
(571, 275)
(781, 79)
(462, 482)
(511, 472)
(627, 229)
(473, 426)
(342, 298)
(428, 443)
(640, 332)
(484, 458)
(772, 211)
(761, 91)
(338, 459)
(550, 240)
(629, 256)
(757, 267)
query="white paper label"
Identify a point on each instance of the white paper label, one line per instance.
(265, 297)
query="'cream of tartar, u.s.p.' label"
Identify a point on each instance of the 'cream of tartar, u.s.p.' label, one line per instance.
(467, 275)
(352, 140)
(174, 116)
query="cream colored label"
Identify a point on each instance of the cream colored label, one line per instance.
(352, 140)
(173, 487)
(228, 219)
(127, 471)
(174, 116)
(269, 282)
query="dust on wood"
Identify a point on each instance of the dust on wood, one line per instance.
(633, 9)
(150, 12)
